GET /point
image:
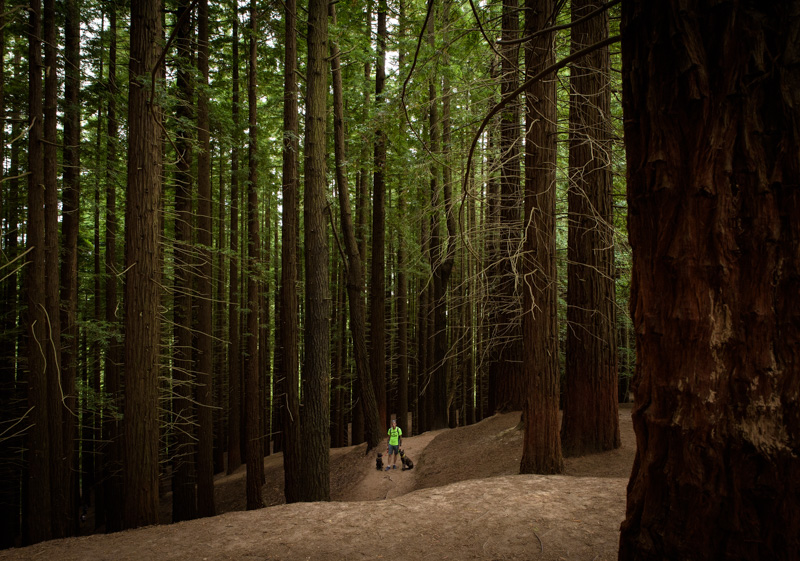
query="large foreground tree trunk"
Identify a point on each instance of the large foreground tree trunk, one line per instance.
(712, 132)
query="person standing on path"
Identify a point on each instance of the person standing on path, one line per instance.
(395, 438)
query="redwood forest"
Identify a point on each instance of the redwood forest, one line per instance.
(240, 232)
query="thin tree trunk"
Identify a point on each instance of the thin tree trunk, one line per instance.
(38, 505)
(355, 270)
(69, 265)
(377, 287)
(112, 433)
(712, 139)
(234, 351)
(289, 321)
(220, 312)
(52, 343)
(402, 265)
(92, 448)
(316, 367)
(143, 274)
(541, 452)
(255, 457)
(12, 404)
(9, 472)
(591, 411)
(184, 490)
(507, 382)
(205, 348)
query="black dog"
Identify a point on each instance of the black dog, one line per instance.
(379, 462)
(407, 463)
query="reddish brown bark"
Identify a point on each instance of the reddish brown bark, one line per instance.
(712, 131)
(316, 367)
(591, 412)
(255, 457)
(377, 287)
(69, 265)
(143, 271)
(52, 343)
(234, 351)
(289, 371)
(112, 488)
(541, 451)
(205, 459)
(39, 505)
(355, 267)
(184, 498)
(507, 382)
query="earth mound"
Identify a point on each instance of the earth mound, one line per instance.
(462, 500)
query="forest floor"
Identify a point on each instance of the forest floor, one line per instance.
(463, 500)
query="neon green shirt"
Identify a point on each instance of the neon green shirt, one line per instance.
(394, 435)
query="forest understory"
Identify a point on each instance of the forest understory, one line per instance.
(462, 500)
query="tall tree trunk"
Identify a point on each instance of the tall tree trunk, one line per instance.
(37, 526)
(10, 347)
(507, 381)
(338, 359)
(423, 312)
(69, 265)
(377, 287)
(52, 343)
(402, 265)
(10, 472)
(591, 410)
(362, 203)
(472, 387)
(255, 457)
(712, 133)
(441, 260)
(445, 260)
(541, 451)
(373, 429)
(316, 368)
(289, 322)
(142, 266)
(205, 348)
(220, 313)
(490, 220)
(234, 352)
(112, 433)
(184, 490)
(92, 448)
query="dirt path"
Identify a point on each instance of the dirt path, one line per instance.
(379, 485)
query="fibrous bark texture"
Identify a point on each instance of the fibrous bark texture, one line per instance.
(541, 451)
(143, 271)
(712, 133)
(316, 369)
